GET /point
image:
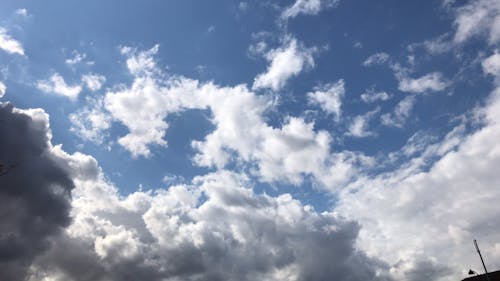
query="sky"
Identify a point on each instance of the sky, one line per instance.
(259, 140)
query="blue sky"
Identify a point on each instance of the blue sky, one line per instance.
(372, 112)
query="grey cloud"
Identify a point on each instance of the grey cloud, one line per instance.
(34, 192)
(229, 233)
(427, 270)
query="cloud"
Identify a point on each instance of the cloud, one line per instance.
(491, 65)
(56, 85)
(329, 97)
(288, 152)
(243, 6)
(22, 12)
(307, 7)
(77, 58)
(140, 63)
(431, 82)
(93, 81)
(448, 188)
(359, 125)
(91, 122)
(286, 62)
(34, 190)
(371, 96)
(3, 88)
(216, 228)
(476, 18)
(377, 59)
(401, 113)
(10, 45)
(453, 200)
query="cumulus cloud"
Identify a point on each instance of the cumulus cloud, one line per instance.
(34, 190)
(307, 7)
(401, 113)
(216, 228)
(289, 153)
(56, 85)
(286, 62)
(431, 82)
(377, 59)
(93, 81)
(10, 45)
(329, 97)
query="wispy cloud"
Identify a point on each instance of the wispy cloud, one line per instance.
(431, 82)
(329, 97)
(3, 89)
(401, 113)
(56, 85)
(377, 59)
(307, 7)
(10, 45)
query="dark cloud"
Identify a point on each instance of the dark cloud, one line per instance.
(34, 191)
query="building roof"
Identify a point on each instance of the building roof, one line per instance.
(494, 276)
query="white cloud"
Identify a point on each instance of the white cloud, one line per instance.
(241, 135)
(329, 97)
(478, 17)
(140, 63)
(285, 62)
(93, 81)
(432, 82)
(91, 122)
(359, 126)
(56, 85)
(453, 201)
(438, 45)
(257, 49)
(3, 88)
(491, 65)
(22, 12)
(371, 96)
(10, 45)
(401, 113)
(77, 58)
(376, 59)
(307, 7)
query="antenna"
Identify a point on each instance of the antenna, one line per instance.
(482, 261)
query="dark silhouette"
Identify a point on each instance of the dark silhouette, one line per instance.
(493, 276)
